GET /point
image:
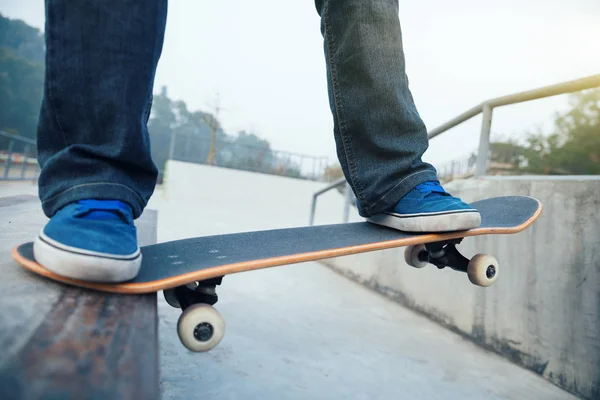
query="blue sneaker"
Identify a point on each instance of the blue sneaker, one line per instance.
(91, 240)
(429, 208)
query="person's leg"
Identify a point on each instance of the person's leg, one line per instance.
(379, 134)
(97, 173)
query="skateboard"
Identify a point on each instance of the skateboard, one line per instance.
(189, 270)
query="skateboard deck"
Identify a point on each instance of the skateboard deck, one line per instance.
(188, 271)
(180, 262)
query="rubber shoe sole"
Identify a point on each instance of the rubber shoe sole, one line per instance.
(85, 265)
(429, 222)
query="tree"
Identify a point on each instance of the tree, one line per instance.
(578, 131)
(573, 148)
(197, 136)
(21, 77)
(175, 131)
(26, 41)
(160, 127)
(509, 152)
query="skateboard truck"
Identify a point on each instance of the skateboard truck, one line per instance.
(200, 326)
(482, 269)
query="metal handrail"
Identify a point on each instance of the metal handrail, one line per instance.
(485, 108)
(535, 94)
(327, 188)
(17, 137)
(27, 145)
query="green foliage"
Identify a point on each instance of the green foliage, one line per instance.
(22, 52)
(578, 135)
(573, 148)
(509, 152)
(190, 134)
(26, 41)
(21, 77)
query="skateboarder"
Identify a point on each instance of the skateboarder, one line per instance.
(97, 173)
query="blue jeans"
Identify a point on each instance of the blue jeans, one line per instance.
(101, 58)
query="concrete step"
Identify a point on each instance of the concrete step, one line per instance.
(63, 342)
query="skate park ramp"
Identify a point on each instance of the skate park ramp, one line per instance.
(304, 331)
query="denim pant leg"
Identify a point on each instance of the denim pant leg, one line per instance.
(93, 142)
(380, 137)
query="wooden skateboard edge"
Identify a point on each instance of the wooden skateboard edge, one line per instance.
(229, 269)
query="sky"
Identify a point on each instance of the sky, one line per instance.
(264, 60)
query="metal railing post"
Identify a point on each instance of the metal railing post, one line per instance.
(24, 163)
(7, 166)
(311, 219)
(13, 144)
(327, 188)
(347, 197)
(484, 141)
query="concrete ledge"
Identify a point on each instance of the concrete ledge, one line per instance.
(544, 311)
(64, 342)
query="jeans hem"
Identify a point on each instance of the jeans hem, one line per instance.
(393, 196)
(99, 190)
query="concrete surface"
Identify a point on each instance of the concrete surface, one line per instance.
(302, 331)
(45, 327)
(18, 188)
(544, 311)
(19, 318)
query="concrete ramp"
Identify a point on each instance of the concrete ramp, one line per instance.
(543, 312)
(203, 200)
(303, 331)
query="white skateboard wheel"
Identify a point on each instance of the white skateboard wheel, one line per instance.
(200, 327)
(482, 270)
